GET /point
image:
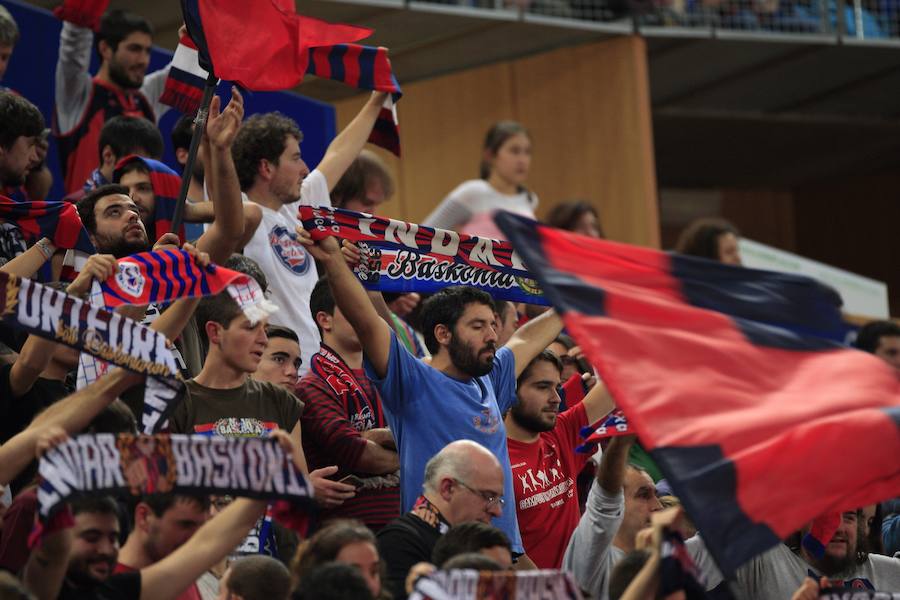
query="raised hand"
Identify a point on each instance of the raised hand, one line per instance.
(323, 250)
(99, 266)
(222, 126)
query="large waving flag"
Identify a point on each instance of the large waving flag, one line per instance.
(263, 49)
(166, 185)
(366, 68)
(733, 381)
(58, 221)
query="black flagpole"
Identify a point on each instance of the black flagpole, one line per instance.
(199, 129)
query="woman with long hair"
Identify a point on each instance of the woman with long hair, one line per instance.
(505, 162)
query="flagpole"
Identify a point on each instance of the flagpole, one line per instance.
(199, 129)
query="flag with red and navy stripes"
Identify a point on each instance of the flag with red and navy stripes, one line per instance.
(58, 221)
(366, 68)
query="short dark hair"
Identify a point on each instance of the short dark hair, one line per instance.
(118, 24)
(130, 135)
(9, 29)
(565, 215)
(544, 356)
(277, 331)
(18, 117)
(220, 308)
(471, 560)
(625, 571)
(870, 334)
(86, 205)
(321, 300)
(472, 536)
(259, 577)
(182, 132)
(701, 237)
(446, 307)
(333, 581)
(129, 167)
(94, 504)
(354, 182)
(246, 265)
(261, 137)
(160, 503)
(326, 544)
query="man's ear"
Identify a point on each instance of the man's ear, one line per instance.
(445, 489)
(442, 334)
(109, 158)
(105, 50)
(214, 332)
(324, 320)
(265, 170)
(142, 512)
(181, 155)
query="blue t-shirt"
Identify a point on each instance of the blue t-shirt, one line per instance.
(427, 410)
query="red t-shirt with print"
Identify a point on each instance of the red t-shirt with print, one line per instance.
(544, 476)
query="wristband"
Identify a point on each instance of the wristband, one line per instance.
(46, 247)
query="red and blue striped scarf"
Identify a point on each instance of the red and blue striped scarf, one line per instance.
(331, 368)
(166, 187)
(366, 68)
(57, 221)
(186, 80)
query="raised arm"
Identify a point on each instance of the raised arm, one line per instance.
(374, 334)
(531, 338)
(344, 149)
(222, 237)
(73, 82)
(611, 473)
(598, 403)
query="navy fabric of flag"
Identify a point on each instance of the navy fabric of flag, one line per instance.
(366, 68)
(58, 221)
(732, 379)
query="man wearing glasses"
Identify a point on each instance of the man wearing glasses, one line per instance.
(463, 482)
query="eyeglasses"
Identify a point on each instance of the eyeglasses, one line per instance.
(490, 498)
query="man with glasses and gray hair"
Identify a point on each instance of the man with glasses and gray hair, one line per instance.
(463, 482)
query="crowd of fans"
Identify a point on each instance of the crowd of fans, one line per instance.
(438, 433)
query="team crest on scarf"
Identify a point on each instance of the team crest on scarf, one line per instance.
(289, 251)
(130, 279)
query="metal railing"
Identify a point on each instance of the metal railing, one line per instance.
(845, 19)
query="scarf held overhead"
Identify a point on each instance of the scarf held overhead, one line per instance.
(118, 340)
(468, 584)
(106, 463)
(57, 221)
(166, 275)
(406, 257)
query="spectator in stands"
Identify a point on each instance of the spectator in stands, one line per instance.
(577, 216)
(343, 419)
(119, 137)
(274, 176)
(281, 361)
(544, 463)
(507, 321)
(473, 536)
(112, 220)
(365, 186)
(21, 124)
(181, 135)
(778, 572)
(344, 541)
(9, 37)
(881, 338)
(463, 482)
(506, 159)
(715, 239)
(255, 578)
(619, 505)
(333, 581)
(472, 560)
(162, 523)
(85, 103)
(463, 391)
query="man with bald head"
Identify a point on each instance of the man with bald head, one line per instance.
(463, 482)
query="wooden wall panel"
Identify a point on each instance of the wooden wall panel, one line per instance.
(588, 110)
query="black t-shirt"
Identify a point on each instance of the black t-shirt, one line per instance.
(121, 586)
(17, 413)
(402, 543)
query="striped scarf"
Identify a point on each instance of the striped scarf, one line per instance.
(365, 68)
(331, 368)
(58, 221)
(186, 80)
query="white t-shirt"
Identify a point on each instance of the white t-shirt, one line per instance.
(470, 208)
(290, 269)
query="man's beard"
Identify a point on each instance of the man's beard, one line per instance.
(121, 247)
(466, 360)
(527, 421)
(81, 577)
(10, 178)
(831, 566)
(119, 76)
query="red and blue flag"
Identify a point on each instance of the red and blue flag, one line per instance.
(734, 380)
(57, 221)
